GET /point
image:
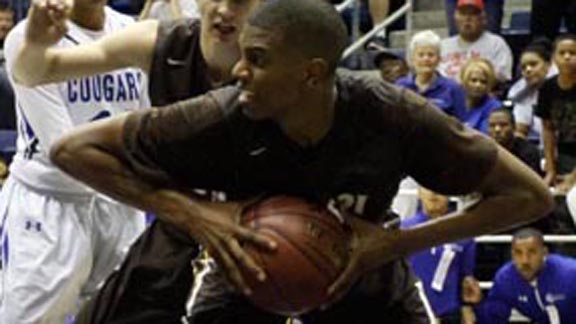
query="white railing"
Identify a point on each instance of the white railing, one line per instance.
(345, 4)
(508, 239)
(379, 27)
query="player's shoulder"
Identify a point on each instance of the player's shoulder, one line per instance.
(376, 100)
(14, 39)
(368, 88)
(117, 18)
(16, 34)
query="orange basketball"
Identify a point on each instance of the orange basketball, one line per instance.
(312, 249)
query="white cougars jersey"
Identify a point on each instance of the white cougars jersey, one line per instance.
(46, 112)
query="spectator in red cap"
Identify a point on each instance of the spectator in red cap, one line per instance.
(494, 10)
(474, 41)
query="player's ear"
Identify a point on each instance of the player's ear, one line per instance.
(316, 72)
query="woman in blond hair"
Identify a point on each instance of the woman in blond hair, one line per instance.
(478, 79)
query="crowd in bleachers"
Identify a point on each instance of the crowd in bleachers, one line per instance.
(470, 75)
(473, 70)
(530, 109)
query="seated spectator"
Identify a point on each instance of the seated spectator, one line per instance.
(169, 9)
(494, 10)
(536, 67)
(473, 41)
(557, 107)
(391, 66)
(501, 127)
(550, 15)
(443, 92)
(442, 269)
(539, 285)
(478, 79)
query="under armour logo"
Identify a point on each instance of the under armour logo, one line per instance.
(523, 298)
(33, 225)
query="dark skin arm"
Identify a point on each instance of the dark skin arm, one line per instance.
(95, 154)
(550, 140)
(512, 194)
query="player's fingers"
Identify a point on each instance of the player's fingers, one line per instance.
(58, 21)
(221, 253)
(342, 284)
(250, 236)
(245, 260)
(37, 8)
(38, 4)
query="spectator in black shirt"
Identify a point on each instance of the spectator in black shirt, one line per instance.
(501, 127)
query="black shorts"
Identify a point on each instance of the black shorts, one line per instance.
(151, 286)
(388, 295)
(154, 282)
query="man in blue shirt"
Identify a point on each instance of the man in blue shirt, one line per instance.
(539, 285)
(442, 269)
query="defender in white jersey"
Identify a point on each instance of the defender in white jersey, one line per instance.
(60, 239)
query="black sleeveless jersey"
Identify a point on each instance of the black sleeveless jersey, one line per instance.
(178, 70)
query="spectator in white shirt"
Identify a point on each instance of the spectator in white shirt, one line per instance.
(473, 41)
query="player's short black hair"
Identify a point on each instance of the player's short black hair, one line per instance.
(507, 111)
(528, 232)
(313, 27)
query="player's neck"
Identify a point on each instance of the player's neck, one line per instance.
(219, 70)
(220, 62)
(88, 17)
(309, 122)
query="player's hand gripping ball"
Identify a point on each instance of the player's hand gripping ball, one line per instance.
(312, 250)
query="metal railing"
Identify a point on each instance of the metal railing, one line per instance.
(361, 41)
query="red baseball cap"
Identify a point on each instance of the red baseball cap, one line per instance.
(479, 4)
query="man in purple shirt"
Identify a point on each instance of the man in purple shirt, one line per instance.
(444, 268)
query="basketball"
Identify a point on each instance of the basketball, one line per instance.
(312, 249)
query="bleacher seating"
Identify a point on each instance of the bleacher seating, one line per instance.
(519, 22)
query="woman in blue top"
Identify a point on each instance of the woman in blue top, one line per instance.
(478, 78)
(424, 57)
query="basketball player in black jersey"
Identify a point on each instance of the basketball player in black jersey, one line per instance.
(183, 58)
(297, 126)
